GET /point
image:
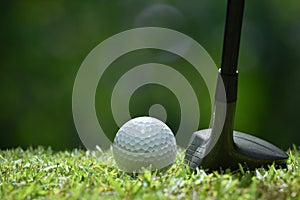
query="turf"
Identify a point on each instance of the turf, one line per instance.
(40, 173)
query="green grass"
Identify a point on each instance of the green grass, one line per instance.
(44, 174)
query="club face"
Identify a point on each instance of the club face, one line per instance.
(246, 149)
(197, 147)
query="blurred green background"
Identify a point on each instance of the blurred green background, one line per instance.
(43, 44)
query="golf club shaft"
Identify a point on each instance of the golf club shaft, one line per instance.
(234, 18)
(228, 72)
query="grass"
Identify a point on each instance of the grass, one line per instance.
(41, 173)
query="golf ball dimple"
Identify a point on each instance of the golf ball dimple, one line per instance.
(144, 142)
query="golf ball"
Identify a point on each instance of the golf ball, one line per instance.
(144, 142)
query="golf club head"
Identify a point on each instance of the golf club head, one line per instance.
(250, 151)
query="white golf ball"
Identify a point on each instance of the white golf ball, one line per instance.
(144, 142)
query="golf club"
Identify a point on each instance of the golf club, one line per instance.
(220, 147)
